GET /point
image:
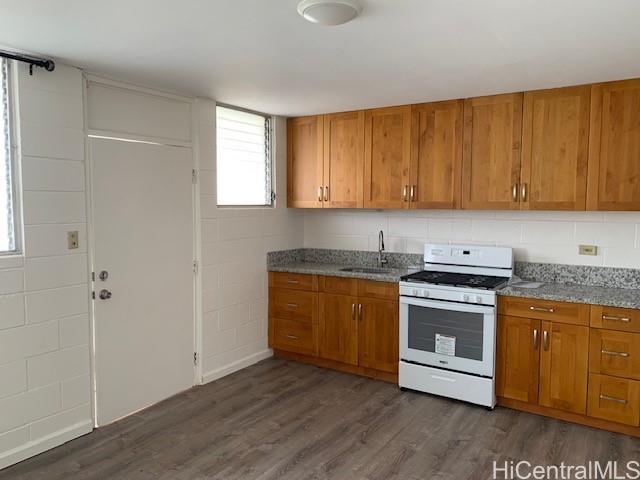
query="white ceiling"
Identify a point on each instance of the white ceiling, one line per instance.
(260, 54)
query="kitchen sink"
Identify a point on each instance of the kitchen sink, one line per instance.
(364, 270)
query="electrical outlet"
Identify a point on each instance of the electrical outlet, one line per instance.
(72, 240)
(588, 250)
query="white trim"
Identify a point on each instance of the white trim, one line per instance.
(32, 448)
(92, 77)
(235, 366)
(131, 137)
(197, 247)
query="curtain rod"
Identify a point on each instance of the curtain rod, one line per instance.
(45, 63)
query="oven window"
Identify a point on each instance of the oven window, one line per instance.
(457, 333)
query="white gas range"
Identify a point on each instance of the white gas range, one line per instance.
(448, 321)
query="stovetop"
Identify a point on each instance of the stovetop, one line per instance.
(466, 280)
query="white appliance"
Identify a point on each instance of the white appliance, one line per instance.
(448, 321)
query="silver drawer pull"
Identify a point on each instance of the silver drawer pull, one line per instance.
(292, 337)
(293, 282)
(613, 399)
(616, 319)
(614, 354)
(541, 309)
(292, 305)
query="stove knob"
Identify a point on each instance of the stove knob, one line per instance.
(425, 293)
(414, 292)
(478, 299)
(465, 298)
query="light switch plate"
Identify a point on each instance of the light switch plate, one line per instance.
(588, 250)
(72, 240)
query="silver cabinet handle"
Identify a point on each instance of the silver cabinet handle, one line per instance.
(542, 309)
(614, 354)
(326, 193)
(545, 340)
(353, 311)
(536, 339)
(514, 192)
(293, 282)
(523, 192)
(360, 311)
(413, 193)
(319, 194)
(613, 399)
(404, 193)
(292, 337)
(615, 318)
(292, 305)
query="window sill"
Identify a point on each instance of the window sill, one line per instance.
(11, 260)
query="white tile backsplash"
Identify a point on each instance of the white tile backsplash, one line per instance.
(535, 236)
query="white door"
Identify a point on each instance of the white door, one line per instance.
(143, 231)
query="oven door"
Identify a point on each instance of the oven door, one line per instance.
(455, 336)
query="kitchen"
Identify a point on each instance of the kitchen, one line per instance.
(408, 272)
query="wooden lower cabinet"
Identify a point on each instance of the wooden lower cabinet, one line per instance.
(614, 399)
(346, 324)
(518, 358)
(378, 332)
(338, 328)
(564, 364)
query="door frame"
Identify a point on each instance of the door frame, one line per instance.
(197, 248)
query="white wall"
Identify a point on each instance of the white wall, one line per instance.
(550, 237)
(235, 242)
(44, 325)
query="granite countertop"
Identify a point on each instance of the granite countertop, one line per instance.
(594, 295)
(334, 270)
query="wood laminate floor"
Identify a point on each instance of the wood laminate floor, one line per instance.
(283, 420)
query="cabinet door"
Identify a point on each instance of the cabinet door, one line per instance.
(386, 157)
(518, 358)
(563, 367)
(304, 162)
(555, 148)
(614, 147)
(491, 152)
(436, 155)
(343, 160)
(378, 334)
(338, 328)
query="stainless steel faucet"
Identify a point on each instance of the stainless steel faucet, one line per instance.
(381, 260)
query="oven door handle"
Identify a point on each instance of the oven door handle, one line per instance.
(444, 305)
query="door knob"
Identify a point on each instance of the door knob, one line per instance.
(104, 294)
(103, 275)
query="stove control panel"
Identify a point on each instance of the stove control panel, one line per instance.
(451, 294)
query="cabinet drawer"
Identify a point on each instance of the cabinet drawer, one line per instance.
(294, 336)
(293, 305)
(615, 353)
(338, 285)
(294, 281)
(623, 319)
(560, 312)
(614, 399)
(382, 290)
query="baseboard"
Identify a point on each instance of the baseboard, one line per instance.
(235, 366)
(35, 447)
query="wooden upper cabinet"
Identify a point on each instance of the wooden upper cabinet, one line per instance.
(564, 366)
(518, 358)
(343, 159)
(436, 155)
(378, 334)
(491, 152)
(386, 157)
(555, 149)
(304, 161)
(614, 146)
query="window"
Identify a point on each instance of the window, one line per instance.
(8, 242)
(243, 158)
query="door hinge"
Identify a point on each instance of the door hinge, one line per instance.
(194, 176)
(195, 358)
(195, 266)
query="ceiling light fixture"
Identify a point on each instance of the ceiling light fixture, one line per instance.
(329, 12)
